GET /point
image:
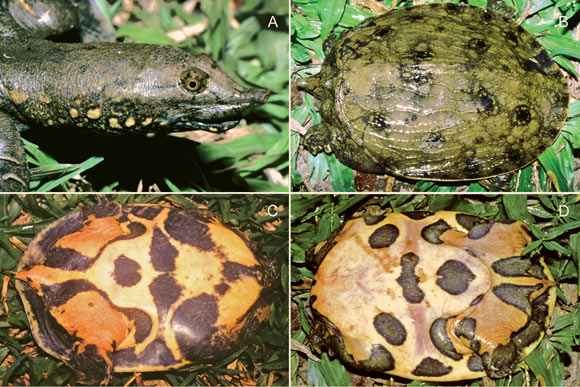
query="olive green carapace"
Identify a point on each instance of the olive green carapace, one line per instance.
(441, 91)
(111, 88)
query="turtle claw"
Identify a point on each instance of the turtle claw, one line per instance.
(318, 139)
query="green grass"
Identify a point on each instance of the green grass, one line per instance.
(557, 239)
(252, 53)
(265, 358)
(315, 20)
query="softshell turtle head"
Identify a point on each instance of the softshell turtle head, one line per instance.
(194, 93)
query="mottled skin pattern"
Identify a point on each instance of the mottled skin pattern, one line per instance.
(119, 288)
(438, 92)
(436, 297)
(112, 88)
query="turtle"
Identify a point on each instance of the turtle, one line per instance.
(441, 92)
(442, 296)
(142, 287)
(103, 88)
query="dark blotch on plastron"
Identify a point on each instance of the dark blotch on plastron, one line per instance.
(126, 272)
(232, 271)
(454, 276)
(156, 354)
(50, 235)
(468, 221)
(135, 230)
(67, 259)
(417, 215)
(474, 363)
(103, 210)
(479, 230)
(162, 252)
(193, 324)
(380, 360)
(390, 328)
(190, 228)
(431, 367)
(165, 291)
(222, 288)
(58, 294)
(432, 232)
(466, 328)
(142, 323)
(441, 340)
(516, 295)
(408, 281)
(384, 236)
(146, 212)
(518, 267)
(372, 219)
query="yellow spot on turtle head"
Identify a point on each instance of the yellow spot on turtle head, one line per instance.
(114, 123)
(18, 96)
(74, 113)
(50, 122)
(147, 121)
(94, 113)
(130, 122)
(44, 98)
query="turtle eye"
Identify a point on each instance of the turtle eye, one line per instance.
(193, 84)
(194, 81)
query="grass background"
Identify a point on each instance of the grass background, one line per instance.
(554, 362)
(251, 157)
(263, 362)
(315, 20)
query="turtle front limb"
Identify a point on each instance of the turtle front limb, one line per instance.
(319, 139)
(14, 175)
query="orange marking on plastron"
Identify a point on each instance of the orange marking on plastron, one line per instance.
(90, 317)
(94, 235)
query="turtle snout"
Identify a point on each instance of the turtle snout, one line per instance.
(257, 95)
